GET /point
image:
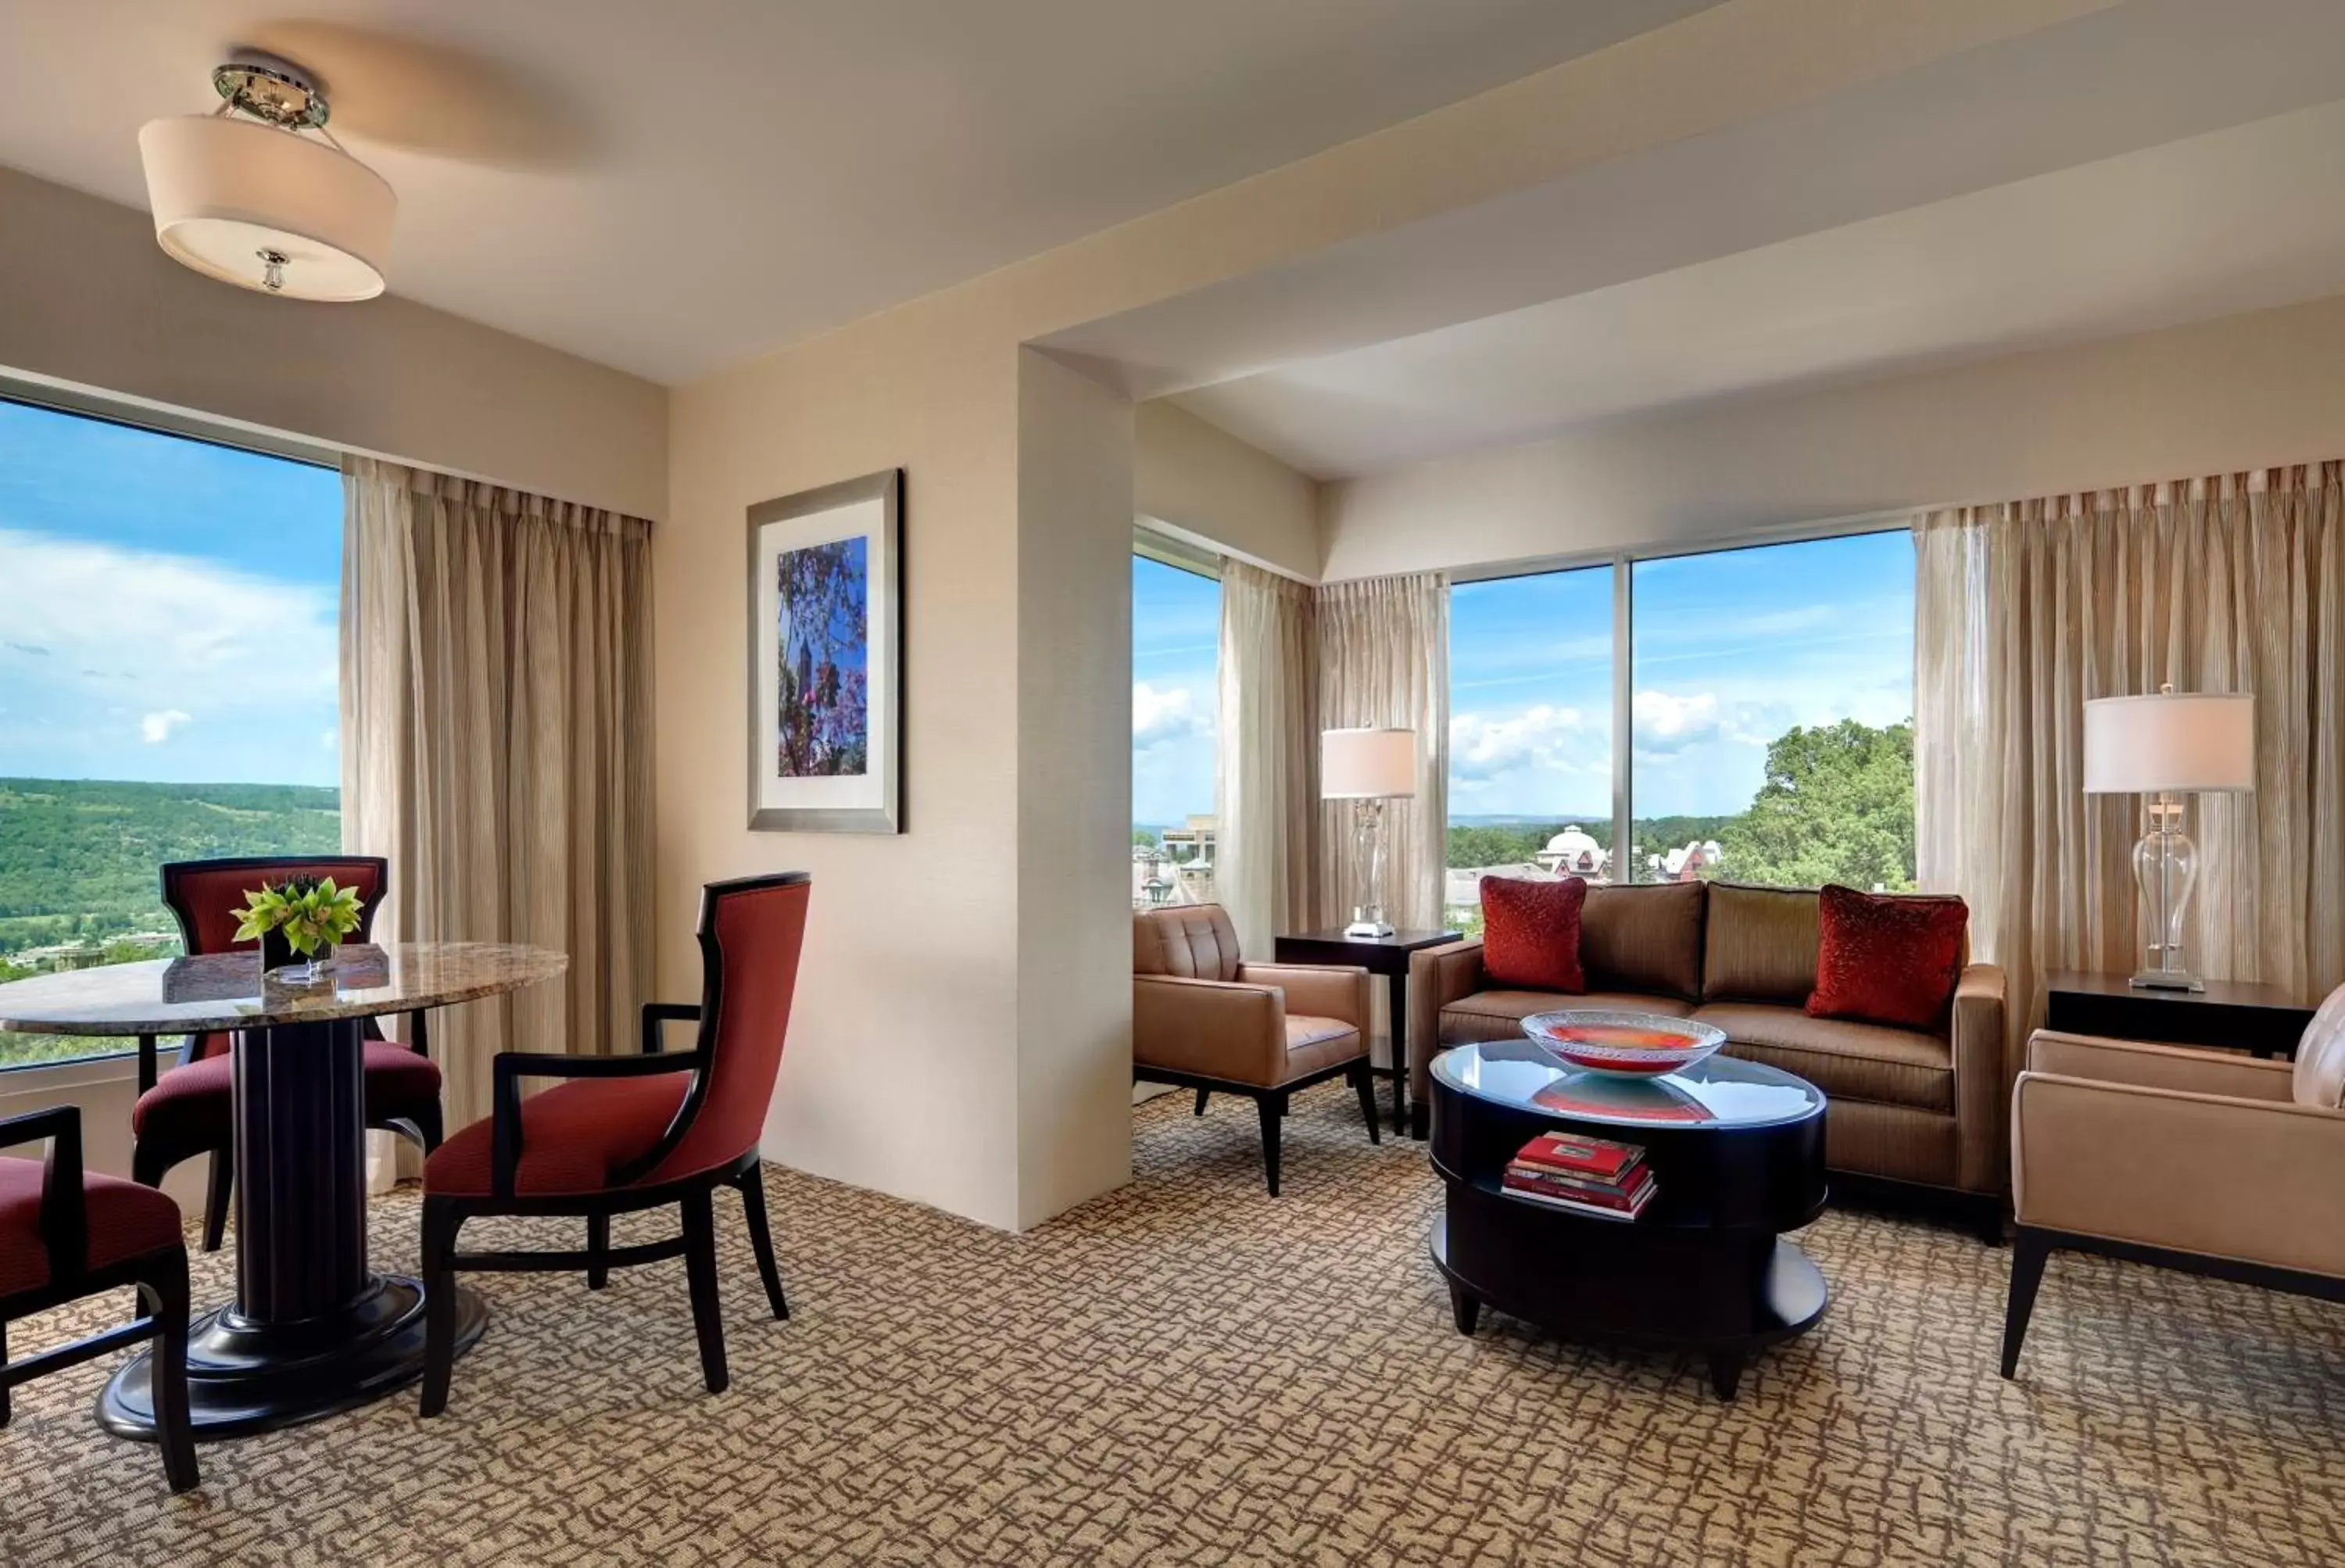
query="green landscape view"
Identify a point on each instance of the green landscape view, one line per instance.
(79, 869)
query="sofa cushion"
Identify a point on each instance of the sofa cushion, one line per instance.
(1530, 933)
(1843, 1058)
(1315, 1042)
(1499, 1014)
(1644, 939)
(1759, 944)
(2319, 1077)
(1892, 958)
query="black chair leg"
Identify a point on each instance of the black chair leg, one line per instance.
(700, 1271)
(1203, 1096)
(598, 1248)
(167, 1372)
(4, 1361)
(440, 1226)
(2030, 1250)
(216, 1200)
(1272, 1110)
(753, 1209)
(1364, 1085)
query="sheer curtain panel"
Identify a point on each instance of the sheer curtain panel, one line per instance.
(2025, 609)
(1267, 807)
(1384, 661)
(496, 746)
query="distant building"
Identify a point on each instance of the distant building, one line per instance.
(1686, 863)
(1573, 853)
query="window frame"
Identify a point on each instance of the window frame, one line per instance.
(1623, 560)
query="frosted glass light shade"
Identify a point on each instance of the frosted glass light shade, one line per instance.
(1367, 764)
(2174, 742)
(225, 190)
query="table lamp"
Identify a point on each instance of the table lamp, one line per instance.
(2172, 744)
(1367, 768)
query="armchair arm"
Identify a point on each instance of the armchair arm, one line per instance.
(658, 1013)
(1983, 1071)
(1438, 976)
(510, 1067)
(65, 1230)
(2147, 1066)
(1211, 1027)
(1324, 990)
(2246, 1179)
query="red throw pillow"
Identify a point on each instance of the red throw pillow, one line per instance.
(1530, 933)
(1887, 960)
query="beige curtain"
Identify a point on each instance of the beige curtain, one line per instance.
(496, 746)
(1384, 661)
(1266, 790)
(2024, 610)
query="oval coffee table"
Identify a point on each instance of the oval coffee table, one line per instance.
(312, 1329)
(1737, 1152)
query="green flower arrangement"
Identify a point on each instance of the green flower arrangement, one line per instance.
(310, 914)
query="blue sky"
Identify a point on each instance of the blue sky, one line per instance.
(1731, 650)
(1176, 621)
(168, 609)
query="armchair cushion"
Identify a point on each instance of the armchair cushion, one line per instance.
(123, 1219)
(1328, 991)
(1193, 942)
(2181, 1067)
(2255, 1181)
(2320, 1055)
(573, 1137)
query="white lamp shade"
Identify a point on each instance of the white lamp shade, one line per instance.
(223, 190)
(1367, 764)
(2179, 742)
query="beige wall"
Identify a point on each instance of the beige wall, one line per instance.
(956, 1016)
(1209, 486)
(2242, 392)
(88, 300)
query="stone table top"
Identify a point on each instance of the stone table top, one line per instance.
(226, 990)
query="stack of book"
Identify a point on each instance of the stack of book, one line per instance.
(1586, 1175)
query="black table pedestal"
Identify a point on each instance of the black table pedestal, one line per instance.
(312, 1331)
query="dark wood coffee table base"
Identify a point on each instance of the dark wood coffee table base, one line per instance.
(1764, 1296)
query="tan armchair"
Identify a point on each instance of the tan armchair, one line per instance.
(1205, 1019)
(2212, 1163)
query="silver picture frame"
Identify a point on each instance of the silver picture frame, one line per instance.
(869, 509)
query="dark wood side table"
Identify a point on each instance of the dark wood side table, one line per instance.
(1385, 955)
(2240, 1014)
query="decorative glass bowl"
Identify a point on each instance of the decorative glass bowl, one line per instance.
(1625, 1044)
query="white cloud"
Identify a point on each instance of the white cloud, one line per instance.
(1162, 715)
(156, 727)
(1548, 737)
(1666, 723)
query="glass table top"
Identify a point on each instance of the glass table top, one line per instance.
(1722, 1092)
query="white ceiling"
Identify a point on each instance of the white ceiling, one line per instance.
(671, 188)
(2237, 219)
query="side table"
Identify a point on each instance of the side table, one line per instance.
(2240, 1014)
(1385, 955)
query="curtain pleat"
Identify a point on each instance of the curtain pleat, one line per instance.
(2024, 610)
(496, 723)
(1266, 789)
(1384, 661)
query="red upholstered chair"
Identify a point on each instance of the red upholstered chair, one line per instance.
(187, 1111)
(634, 1132)
(64, 1235)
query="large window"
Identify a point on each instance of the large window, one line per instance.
(1176, 623)
(168, 681)
(1770, 692)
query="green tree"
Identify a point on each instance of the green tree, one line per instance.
(1837, 807)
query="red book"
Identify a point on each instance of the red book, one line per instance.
(1626, 1198)
(1598, 1158)
(1556, 1181)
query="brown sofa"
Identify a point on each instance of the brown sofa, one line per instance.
(1905, 1106)
(1205, 1019)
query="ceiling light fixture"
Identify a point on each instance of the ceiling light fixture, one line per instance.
(244, 195)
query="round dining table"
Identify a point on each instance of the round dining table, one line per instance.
(312, 1329)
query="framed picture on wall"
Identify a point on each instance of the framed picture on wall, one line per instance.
(826, 658)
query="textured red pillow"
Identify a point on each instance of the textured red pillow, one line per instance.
(1530, 933)
(1887, 960)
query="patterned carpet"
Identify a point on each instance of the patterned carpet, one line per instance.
(1188, 1371)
